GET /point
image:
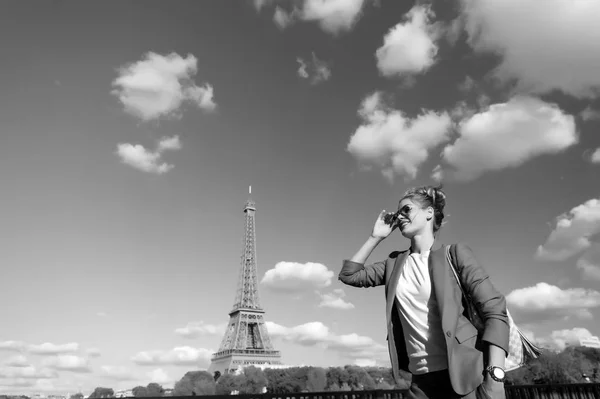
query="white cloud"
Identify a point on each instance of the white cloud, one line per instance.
(315, 70)
(259, 4)
(351, 346)
(560, 339)
(160, 376)
(393, 142)
(68, 363)
(17, 361)
(282, 18)
(118, 373)
(410, 46)
(554, 45)
(169, 143)
(48, 348)
(293, 276)
(333, 16)
(545, 301)
(595, 156)
(158, 86)
(507, 135)
(101, 314)
(589, 263)
(17, 346)
(335, 300)
(28, 372)
(138, 157)
(572, 232)
(197, 329)
(589, 114)
(183, 355)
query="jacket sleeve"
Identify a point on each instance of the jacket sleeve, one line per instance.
(490, 302)
(360, 275)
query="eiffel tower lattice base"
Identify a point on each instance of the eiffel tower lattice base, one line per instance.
(247, 343)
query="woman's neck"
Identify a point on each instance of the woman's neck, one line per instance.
(421, 243)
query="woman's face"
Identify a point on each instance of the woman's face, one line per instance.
(412, 218)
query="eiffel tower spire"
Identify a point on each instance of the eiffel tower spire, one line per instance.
(246, 340)
(247, 292)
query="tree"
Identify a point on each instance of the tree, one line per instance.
(101, 392)
(78, 395)
(195, 382)
(358, 378)
(227, 383)
(254, 381)
(337, 376)
(154, 390)
(316, 380)
(140, 392)
(285, 380)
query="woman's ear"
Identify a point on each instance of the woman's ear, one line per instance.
(430, 213)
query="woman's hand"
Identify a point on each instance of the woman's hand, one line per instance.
(491, 389)
(382, 229)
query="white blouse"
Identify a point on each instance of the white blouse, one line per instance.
(420, 317)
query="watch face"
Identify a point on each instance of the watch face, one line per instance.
(498, 373)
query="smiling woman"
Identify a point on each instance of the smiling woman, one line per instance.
(428, 335)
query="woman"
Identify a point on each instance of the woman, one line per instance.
(428, 335)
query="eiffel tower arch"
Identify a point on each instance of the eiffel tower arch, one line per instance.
(246, 340)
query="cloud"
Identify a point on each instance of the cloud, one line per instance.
(157, 86)
(350, 346)
(293, 276)
(572, 232)
(507, 135)
(28, 372)
(560, 339)
(590, 114)
(101, 314)
(169, 143)
(48, 348)
(589, 263)
(197, 329)
(394, 143)
(68, 363)
(138, 157)
(282, 18)
(335, 300)
(333, 16)
(160, 376)
(544, 301)
(118, 373)
(520, 31)
(180, 356)
(16, 346)
(595, 156)
(17, 361)
(315, 70)
(410, 46)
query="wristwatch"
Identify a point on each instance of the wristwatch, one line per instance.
(497, 373)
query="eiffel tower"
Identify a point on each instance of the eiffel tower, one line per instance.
(246, 340)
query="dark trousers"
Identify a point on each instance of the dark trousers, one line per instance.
(434, 385)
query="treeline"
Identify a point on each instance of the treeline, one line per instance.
(572, 365)
(253, 380)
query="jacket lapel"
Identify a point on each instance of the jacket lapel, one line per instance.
(442, 286)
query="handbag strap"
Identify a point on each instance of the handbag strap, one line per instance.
(449, 258)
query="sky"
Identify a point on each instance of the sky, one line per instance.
(131, 131)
